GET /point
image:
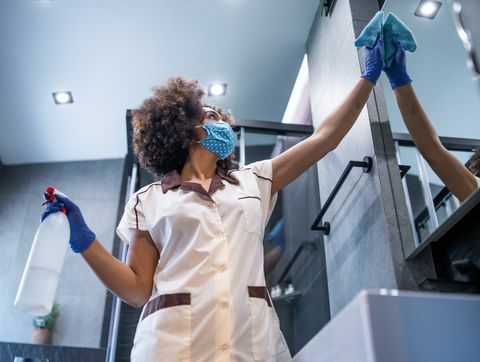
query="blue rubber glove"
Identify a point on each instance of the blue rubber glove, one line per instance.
(397, 73)
(373, 61)
(80, 235)
(276, 235)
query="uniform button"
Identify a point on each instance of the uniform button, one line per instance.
(224, 347)
(224, 304)
(212, 205)
(222, 267)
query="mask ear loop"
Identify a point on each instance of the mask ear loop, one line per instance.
(206, 130)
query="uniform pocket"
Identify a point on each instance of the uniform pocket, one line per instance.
(252, 211)
(164, 329)
(267, 338)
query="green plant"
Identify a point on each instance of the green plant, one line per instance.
(47, 321)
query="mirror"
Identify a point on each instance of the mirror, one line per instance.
(450, 97)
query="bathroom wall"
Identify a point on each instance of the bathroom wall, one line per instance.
(369, 223)
(95, 187)
(308, 275)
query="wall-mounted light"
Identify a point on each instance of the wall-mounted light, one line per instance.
(428, 9)
(62, 97)
(217, 89)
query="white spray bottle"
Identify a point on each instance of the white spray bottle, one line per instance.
(38, 286)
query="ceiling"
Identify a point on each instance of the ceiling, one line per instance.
(110, 53)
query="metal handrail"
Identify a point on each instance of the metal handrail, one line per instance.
(450, 143)
(366, 166)
(117, 305)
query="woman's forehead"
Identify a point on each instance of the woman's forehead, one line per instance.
(208, 109)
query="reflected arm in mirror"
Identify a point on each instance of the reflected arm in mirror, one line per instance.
(458, 179)
(271, 259)
(132, 282)
(290, 164)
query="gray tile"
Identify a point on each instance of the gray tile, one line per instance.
(12, 210)
(100, 180)
(312, 311)
(78, 279)
(77, 276)
(15, 180)
(101, 218)
(95, 187)
(30, 224)
(79, 321)
(363, 9)
(16, 326)
(364, 249)
(357, 252)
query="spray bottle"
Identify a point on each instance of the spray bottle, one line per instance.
(38, 286)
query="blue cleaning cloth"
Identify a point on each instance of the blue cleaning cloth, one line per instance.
(392, 26)
(369, 34)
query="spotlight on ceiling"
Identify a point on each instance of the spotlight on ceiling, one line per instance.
(428, 9)
(217, 89)
(62, 97)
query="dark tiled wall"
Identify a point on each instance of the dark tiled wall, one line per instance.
(368, 217)
(95, 187)
(311, 312)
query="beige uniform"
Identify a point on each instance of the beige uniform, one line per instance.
(209, 300)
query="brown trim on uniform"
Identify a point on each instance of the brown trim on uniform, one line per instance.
(250, 197)
(256, 174)
(170, 180)
(173, 179)
(259, 292)
(265, 178)
(138, 200)
(165, 301)
(226, 175)
(194, 186)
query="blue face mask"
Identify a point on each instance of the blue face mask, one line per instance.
(221, 140)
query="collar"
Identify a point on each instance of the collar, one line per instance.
(173, 179)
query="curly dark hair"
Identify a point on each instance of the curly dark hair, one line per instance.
(163, 126)
(474, 163)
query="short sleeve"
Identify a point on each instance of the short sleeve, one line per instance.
(133, 218)
(263, 172)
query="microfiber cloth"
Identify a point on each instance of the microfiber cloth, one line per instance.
(370, 33)
(392, 26)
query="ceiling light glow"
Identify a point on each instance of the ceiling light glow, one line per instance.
(217, 89)
(62, 97)
(428, 9)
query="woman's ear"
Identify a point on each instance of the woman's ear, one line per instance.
(200, 132)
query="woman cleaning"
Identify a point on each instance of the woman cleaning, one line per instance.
(460, 180)
(195, 258)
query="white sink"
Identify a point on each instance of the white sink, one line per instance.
(397, 326)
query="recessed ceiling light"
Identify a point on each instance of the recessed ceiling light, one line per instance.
(62, 97)
(428, 9)
(217, 89)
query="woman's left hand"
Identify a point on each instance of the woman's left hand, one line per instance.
(373, 61)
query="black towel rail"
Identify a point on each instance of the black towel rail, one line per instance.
(366, 166)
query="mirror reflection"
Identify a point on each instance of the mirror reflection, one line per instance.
(434, 119)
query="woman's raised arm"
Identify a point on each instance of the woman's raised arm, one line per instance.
(292, 163)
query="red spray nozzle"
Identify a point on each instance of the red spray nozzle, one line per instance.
(51, 191)
(51, 196)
